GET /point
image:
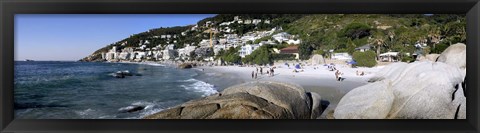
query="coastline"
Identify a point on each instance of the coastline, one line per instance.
(314, 79)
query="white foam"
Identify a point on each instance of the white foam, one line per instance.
(202, 87)
(150, 112)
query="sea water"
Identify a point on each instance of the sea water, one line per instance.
(88, 90)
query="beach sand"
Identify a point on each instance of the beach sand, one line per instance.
(313, 78)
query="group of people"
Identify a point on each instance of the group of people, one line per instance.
(270, 72)
(361, 73)
(332, 68)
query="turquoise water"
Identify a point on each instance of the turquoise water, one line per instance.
(86, 90)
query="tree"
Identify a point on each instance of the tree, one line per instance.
(366, 58)
(378, 40)
(261, 56)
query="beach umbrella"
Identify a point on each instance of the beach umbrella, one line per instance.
(353, 62)
(297, 66)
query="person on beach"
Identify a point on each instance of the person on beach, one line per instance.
(272, 72)
(257, 69)
(256, 75)
(336, 74)
(253, 74)
(261, 70)
(340, 76)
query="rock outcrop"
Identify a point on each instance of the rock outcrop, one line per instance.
(429, 57)
(455, 55)
(185, 66)
(372, 101)
(252, 100)
(317, 60)
(419, 90)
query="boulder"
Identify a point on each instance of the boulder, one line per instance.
(455, 55)
(130, 109)
(372, 101)
(391, 71)
(289, 96)
(253, 100)
(185, 66)
(429, 57)
(421, 90)
(317, 59)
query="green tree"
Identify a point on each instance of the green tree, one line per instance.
(366, 58)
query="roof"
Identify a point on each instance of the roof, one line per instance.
(366, 46)
(289, 50)
(389, 54)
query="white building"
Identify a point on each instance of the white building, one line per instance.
(292, 41)
(248, 21)
(256, 21)
(389, 57)
(184, 53)
(112, 54)
(282, 37)
(248, 49)
(341, 56)
(266, 21)
(169, 54)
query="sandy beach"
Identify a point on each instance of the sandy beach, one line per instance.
(313, 78)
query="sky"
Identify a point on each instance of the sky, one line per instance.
(70, 37)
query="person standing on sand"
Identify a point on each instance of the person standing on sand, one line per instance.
(261, 70)
(253, 74)
(272, 72)
(256, 75)
(336, 74)
(340, 76)
(257, 69)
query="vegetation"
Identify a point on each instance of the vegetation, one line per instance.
(262, 56)
(366, 59)
(230, 55)
(319, 33)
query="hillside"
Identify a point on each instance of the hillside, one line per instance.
(318, 33)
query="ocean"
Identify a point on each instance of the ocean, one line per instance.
(88, 90)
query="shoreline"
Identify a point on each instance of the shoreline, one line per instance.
(318, 80)
(313, 79)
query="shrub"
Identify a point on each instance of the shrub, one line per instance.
(407, 59)
(366, 58)
(283, 57)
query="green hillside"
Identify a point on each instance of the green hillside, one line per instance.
(322, 32)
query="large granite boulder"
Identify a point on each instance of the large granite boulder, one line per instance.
(253, 100)
(429, 57)
(455, 55)
(317, 59)
(391, 71)
(372, 101)
(421, 90)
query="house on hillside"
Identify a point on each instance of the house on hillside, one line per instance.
(281, 37)
(364, 48)
(247, 50)
(291, 50)
(389, 57)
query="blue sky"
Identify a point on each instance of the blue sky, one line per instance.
(72, 37)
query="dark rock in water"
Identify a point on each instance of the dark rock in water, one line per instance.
(138, 75)
(254, 100)
(130, 109)
(185, 66)
(122, 74)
